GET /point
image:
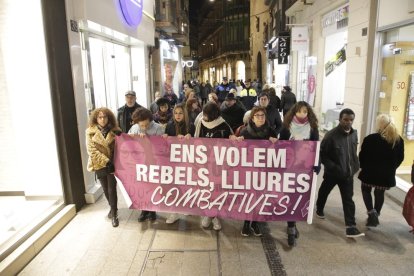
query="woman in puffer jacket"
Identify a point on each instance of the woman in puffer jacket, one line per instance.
(100, 142)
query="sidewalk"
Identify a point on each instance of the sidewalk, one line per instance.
(89, 245)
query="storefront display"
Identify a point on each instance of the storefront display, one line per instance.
(409, 122)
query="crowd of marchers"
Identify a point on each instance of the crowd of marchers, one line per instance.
(246, 110)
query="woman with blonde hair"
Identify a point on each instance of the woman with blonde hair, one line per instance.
(381, 154)
(100, 142)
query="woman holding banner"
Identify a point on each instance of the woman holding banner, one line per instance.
(257, 128)
(143, 126)
(212, 125)
(100, 142)
(181, 127)
(299, 124)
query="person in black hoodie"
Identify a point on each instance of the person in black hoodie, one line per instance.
(232, 112)
(287, 101)
(257, 129)
(299, 124)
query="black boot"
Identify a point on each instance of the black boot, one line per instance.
(372, 220)
(293, 234)
(144, 216)
(115, 221)
(152, 215)
(110, 214)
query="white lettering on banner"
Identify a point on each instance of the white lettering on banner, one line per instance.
(262, 157)
(266, 181)
(201, 199)
(188, 153)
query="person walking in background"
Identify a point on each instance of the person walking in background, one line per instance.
(164, 113)
(100, 143)
(273, 98)
(181, 127)
(154, 106)
(223, 89)
(339, 156)
(248, 95)
(287, 101)
(145, 126)
(272, 114)
(299, 124)
(124, 116)
(257, 129)
(380, 156)
(193, 109)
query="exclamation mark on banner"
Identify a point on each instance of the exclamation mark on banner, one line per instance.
(296, 204)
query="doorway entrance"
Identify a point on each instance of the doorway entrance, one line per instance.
(108, 72)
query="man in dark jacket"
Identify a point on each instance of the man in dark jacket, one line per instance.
(339, 156)
(288, 100)
(232, 112)
(125, 113)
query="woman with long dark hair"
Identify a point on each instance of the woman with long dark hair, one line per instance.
(100, 142)
(299, 124)
(181, 127)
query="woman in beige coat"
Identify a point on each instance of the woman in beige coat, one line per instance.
(100, 142)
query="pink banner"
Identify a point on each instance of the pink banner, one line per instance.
(247, 180)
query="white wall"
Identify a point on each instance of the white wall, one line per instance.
(391, 11)
(25, 82)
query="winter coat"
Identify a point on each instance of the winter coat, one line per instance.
(221, 131)
(273, 117)
(288, 100)
(170, 129)
(233, 115)
(122, 117)
(100, 149)
(338, 154)
(248, 96)
(379, 160)
(252, 132)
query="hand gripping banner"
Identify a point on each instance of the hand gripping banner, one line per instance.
(243, 180)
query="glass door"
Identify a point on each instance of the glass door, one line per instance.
(109, 72)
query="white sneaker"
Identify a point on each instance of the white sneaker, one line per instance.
(216, 224)
(205, 222)
(172, 218)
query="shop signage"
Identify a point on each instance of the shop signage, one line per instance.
(132, 11)
(283, 49)
(335, 61)
(248, 180)
(300, 39)
(331, 22)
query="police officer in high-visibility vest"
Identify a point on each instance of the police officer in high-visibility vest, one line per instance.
(248, 96)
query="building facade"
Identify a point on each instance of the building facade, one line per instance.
(223, 45)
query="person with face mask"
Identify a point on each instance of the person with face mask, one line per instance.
(339, 156)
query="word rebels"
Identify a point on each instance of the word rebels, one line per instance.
(231, 156)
